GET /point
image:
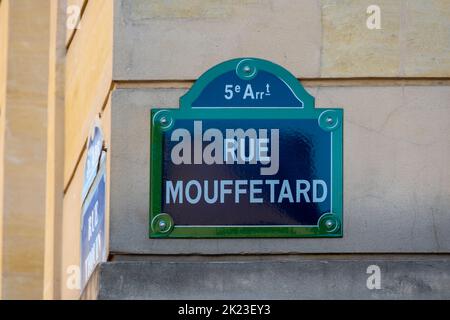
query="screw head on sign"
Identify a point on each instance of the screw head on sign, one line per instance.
(163, 120)
(162, 225)
(329, 120)
(329, 224)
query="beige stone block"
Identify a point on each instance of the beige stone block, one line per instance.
(24, 139)
(156, 40)
(413, 40)
(350, 49)
(396, 155)
(426, 38)
(88, 78)
(55, 149)
(71, 13)
(3, 50)
(71, 229)
(3, 67)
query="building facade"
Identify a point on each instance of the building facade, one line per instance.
(67, 65)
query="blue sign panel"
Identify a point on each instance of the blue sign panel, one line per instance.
(261, 91)
(296, 179)
(94, 151)
(93, 249)
(246, 155)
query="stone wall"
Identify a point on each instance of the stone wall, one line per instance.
(392, 83)
(128, 56)
(24, 77)
(88, 86)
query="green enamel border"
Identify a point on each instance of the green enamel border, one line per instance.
(307, 112)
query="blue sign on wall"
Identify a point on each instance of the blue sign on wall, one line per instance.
(246, 155)
(93, 248)
(94, 151)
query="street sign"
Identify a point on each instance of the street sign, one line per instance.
(247, 154)
(94, 151)
(93, 246)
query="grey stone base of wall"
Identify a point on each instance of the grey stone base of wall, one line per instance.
(416, 277)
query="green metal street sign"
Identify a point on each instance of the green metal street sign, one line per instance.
(246, 155)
